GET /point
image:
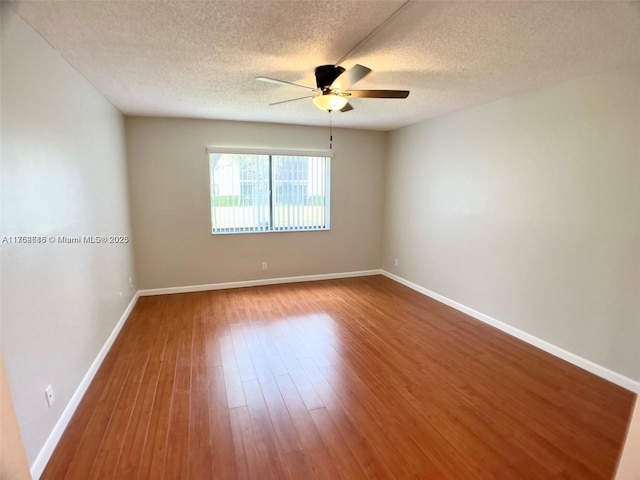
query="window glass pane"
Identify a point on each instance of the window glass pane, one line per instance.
(239, 193)
(261, 193)
(299, 193)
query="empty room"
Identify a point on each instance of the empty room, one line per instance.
(265, 239)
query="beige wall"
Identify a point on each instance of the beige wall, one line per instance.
(63, 173)
(629, 465)
(13, 458)
(169, 185)
(526, 210)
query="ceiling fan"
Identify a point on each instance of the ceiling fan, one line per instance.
(332, 87)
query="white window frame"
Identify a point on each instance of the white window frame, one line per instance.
(328, 154)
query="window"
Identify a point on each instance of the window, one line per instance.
(273, 192)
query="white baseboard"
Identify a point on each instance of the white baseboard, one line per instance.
(583, 363)
(54, 437)
(255, 283)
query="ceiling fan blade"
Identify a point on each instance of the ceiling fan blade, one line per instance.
(351, 76)
(346, 108)
(282, 82)
(292, 99)
(378, 93)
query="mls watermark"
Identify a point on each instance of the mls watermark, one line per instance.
(65, 239)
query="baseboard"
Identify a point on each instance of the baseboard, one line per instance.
(583, 363)
(256, 283)
(54, 437)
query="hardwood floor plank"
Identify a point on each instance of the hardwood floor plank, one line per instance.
(412, 414)
(378, 455)
(134, 441)
(125, 411)
(242, 352)
(133, 444)
(176, 461)
(247, 460)
(351, 389)
(223, 442)
(288, 440)
(345, 459)
(323, 466)
(303, 383)
(107, 457)
(200, 458)
(153, 457)
(232, 376)
(252, 339)
(269, 461)
(357, 378)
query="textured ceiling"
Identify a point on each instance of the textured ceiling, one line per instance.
(200, 59)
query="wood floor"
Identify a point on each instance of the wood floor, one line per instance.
(354, 379)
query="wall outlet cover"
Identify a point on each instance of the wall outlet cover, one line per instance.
(51, 396)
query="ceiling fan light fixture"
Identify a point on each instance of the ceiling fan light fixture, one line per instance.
(329, 101)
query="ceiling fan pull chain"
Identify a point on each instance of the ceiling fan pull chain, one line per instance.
(330, 129)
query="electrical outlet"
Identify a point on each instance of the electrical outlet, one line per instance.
(264, 266)
(121, 297)
(131, 283)
(51, 397)
(395, 262)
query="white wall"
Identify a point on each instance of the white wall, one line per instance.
(63, 173)
(527, 210)
(169, 181)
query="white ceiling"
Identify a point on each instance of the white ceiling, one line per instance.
(199, 59)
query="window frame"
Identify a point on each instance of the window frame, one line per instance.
(327, 154)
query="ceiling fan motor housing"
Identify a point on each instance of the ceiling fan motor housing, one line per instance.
(326, 74)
